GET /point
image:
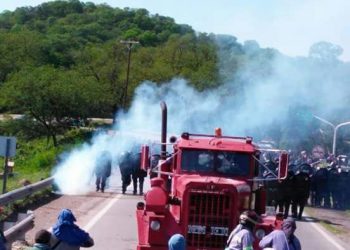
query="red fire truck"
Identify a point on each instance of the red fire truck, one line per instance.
(200, 190)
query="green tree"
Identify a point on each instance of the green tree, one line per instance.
(325, 51)
(107, 66)
(17, 49)
(52, 97)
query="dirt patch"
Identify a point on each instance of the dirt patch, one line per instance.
(336, 222)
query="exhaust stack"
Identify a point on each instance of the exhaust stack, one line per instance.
(164, 130)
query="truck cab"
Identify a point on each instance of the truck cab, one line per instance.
(200, 190)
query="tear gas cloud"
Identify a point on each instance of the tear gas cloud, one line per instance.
(256, 105)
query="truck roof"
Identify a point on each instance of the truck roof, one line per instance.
(227, 143)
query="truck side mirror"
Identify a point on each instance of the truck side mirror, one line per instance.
(283, 165)
(145, 164)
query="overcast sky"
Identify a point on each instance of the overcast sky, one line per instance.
(291, 26)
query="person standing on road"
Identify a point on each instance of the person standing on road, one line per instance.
(103, 168)
(282, 239)
(68, 236)
(241, 238)
(125, 170)
(138, 174)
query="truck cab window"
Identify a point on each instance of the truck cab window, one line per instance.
(216, 162)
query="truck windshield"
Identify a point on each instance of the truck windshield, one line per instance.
(211, 162)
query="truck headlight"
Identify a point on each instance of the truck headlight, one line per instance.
(260, 233)
(155, 225)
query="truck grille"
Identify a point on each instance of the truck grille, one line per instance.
(209, 218)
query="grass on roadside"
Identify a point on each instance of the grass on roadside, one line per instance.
(331, 228)
(35, 159)
(335, 229)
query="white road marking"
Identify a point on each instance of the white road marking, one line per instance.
(98, 216)
(321, 231)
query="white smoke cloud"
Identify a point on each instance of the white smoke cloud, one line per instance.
(75, 175)
(259, 103)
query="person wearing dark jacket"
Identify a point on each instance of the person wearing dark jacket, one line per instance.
(138, 174)
(2, 241)
(103, 168)
(68, 236)
(125, 170)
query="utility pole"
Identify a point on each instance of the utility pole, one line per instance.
(129, 45)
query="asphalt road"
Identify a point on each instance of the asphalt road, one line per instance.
(114, 225)
(115, 229)
(314, 236)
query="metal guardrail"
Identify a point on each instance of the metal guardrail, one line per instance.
(20, 228)
(24, 191)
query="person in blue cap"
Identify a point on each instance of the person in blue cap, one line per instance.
(66, 235)
(177, 242)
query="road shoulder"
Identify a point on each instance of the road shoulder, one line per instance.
(335, 222)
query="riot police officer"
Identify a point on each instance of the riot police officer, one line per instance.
(103, 170)
(138, 174)
(125, 170)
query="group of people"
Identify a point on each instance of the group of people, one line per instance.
(64, 235)
(329, 178)
(314, 178)
(129, 168)
(242, 238)
(129, 165)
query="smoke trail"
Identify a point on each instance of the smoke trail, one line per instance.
(250, 104)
